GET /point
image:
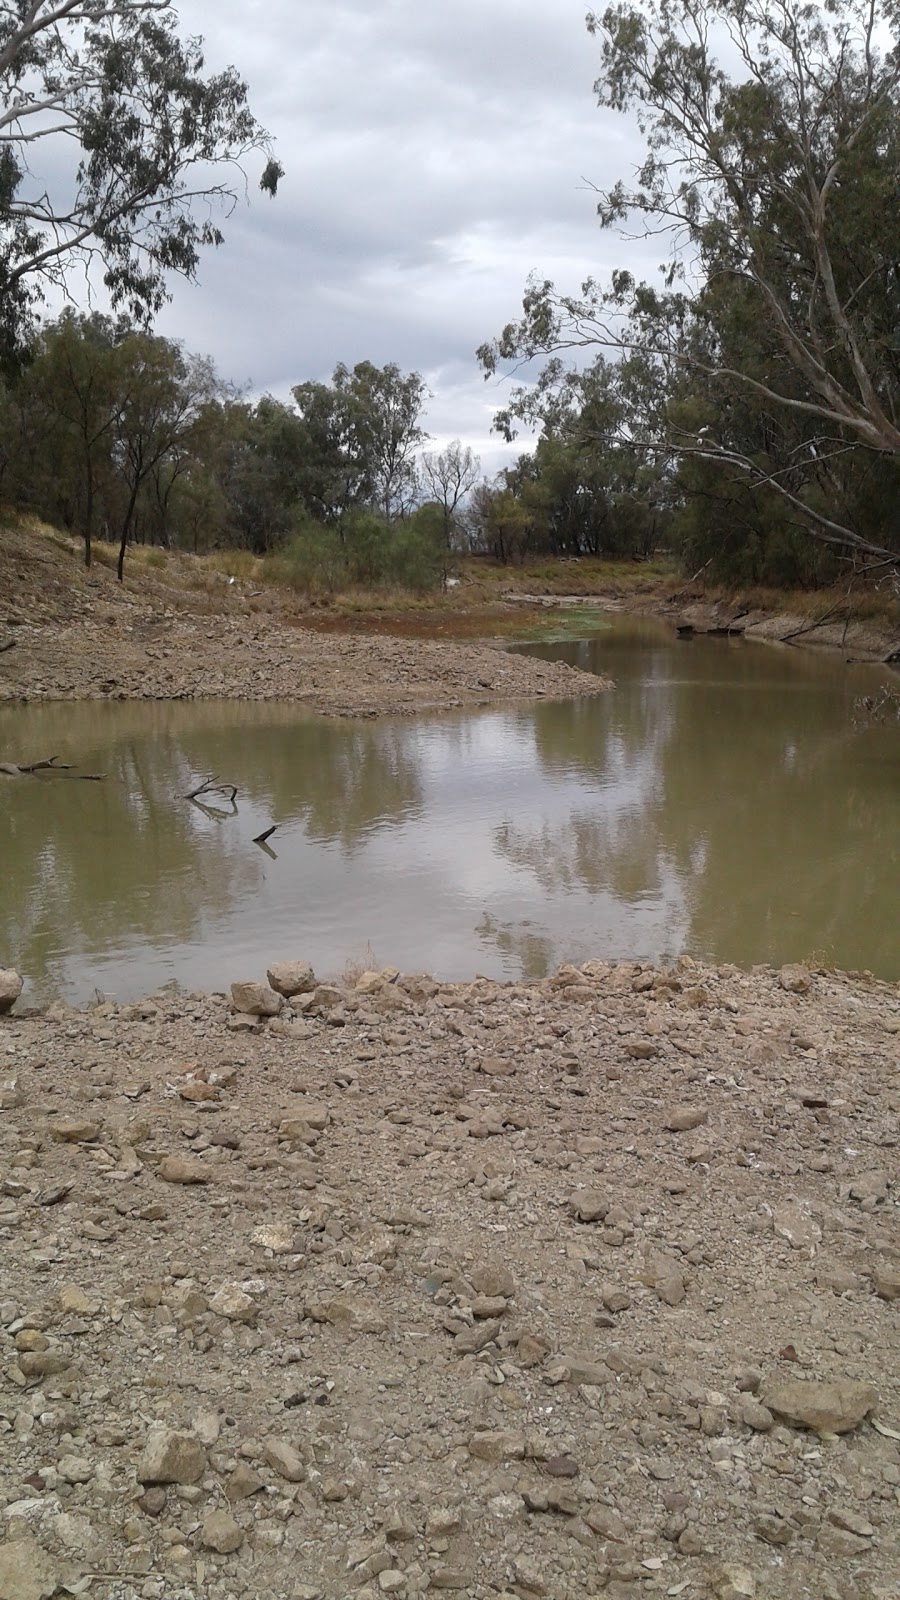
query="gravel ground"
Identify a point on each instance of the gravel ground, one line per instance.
(586, 1287)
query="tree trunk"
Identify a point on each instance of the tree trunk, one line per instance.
(88, 510)
(126, 529)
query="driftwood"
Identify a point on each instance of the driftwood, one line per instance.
(266, 834)
(212, 785)
(14, 769)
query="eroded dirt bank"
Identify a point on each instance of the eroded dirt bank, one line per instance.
(580, 1288)
(153, 656)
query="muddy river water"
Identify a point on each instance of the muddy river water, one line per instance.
(724, 800)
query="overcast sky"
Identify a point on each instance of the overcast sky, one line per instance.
(436, 152)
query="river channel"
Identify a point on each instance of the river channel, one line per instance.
(724, 800)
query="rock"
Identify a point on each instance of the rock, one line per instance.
(606, 1523)
(27, 1572)
(886, 1280)
(285, 1460)
(242, 1483)
(851, 1522)
(732, 1582)
(795, 978)
(255, 999)
(181, 1169)
(347, 1312)
(492, 1281)
(170, 1457)
(589, 1205)
(774, 1530)
(288, 978)
(870, 1186)
(834, 1407)
(73, 1300)
(756, 1416)
(496, 1067)
(75, 1130)
(497, 1445)
(230, 1301)
(681, 1119)
(794, 1223)
(663, 1273)
(221, 1533)
(10, 989)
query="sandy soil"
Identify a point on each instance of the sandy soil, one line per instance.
(581, 1288)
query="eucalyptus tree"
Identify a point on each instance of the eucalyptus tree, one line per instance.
(774, 180)
(115, 150)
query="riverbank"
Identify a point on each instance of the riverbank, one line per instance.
(576, 1288)
(182, 627)
(68, 634)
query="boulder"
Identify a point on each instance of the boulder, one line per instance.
(291, 977)
(27, 1572)
(255, 999)
(825, 1407)
(10, 989)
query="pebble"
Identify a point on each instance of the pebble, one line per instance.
(170, 1457)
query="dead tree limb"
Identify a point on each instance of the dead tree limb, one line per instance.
(212, 785)
(54, 765)
(266, 834)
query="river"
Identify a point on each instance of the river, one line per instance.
(723, 800)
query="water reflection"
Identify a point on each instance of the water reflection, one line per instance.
(720, 801)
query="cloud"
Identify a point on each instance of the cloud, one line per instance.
(435, 155)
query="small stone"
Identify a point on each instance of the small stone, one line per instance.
(497, 1445)
(289, 978)
(794, 1223)
(682, 1119)
(614, 1298)
(72, 1299)
(835, 1407)
(870, 1186)
(184, 1170)
(774, 1530)
(756, 1416)
(496, 1067)
(255, 999)
(153, 1501)
(27, 1572)
(589, 1205)
(242, 1483)
(794, 978)
(662, 1273)
(170, 1457)
(10, 989)
(606, 1523)
(230, 1301)
(844, 1518)
(285, 1460)
(690, 1542)
(75, 1130)
(75, 1469)
(221, 1533)
(886, 1280)
(494, 1282)
(485, 1305)
(732, 1582)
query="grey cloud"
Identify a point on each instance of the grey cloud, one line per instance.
(435, 156)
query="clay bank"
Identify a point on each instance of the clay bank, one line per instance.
(578, 1288)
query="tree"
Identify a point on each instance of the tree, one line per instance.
(164, 395)
(78, 373)
(133, 133)
(777, 187)
(448, 477)
(385, 405)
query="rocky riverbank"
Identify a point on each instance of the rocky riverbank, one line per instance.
(577, 1288)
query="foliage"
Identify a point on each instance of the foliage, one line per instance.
(769, 351)
(115, 149)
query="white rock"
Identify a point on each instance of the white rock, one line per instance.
(10, 989)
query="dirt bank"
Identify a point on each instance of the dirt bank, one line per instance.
(422, 1288)
(70, 635)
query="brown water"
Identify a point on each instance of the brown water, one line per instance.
(721, 801)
